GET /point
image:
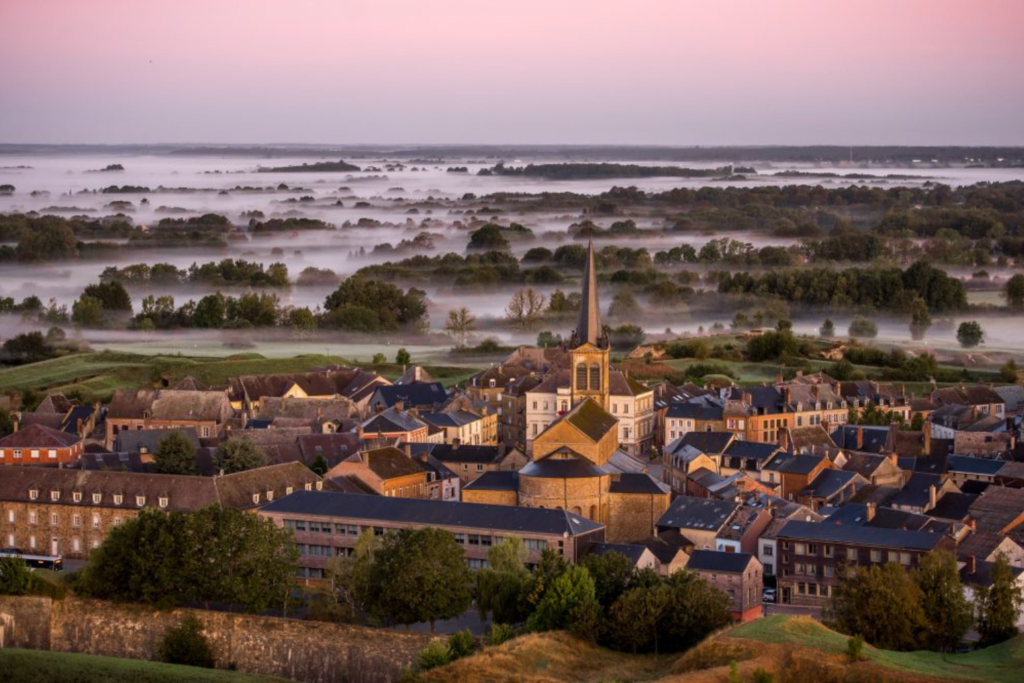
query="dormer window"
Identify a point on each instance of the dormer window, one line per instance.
(54, 495)
(288, 490)
(76, 496)
(118, 499)
(33, 494)
(319, 486)
(97, 498)
(308, 486)
(140, 500)
(270, 494)
(162, 501)
(255, 499)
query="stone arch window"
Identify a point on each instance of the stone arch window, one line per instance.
(595, 377)
(593, 512)
(576, 511)
(581, 375)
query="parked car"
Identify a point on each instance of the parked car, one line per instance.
(768, 595)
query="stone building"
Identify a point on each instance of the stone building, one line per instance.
(69, 512)
(207, 411)
(384, 471)
(738, 575)
(248, 392)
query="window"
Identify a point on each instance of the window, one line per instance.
(308, 487)
(76, 520)
(256, 499)
(876, 555)
(10, 517)
(270, 494)
(95, 521)
(33, 517)
(595, 377)
(118, 499)
(140, 500)
(54, 495)
(206, 432)
(829, 550)
(768, 551)
(581, 376)
(812, 549)
(52, 454)
(35, 453)
(76, 545)
(479, 468)
(54, 519)
(800, 548)
(17, 452)
(33, 494)
(829, 571)
(97, 498)
(288, 490)
(162, 501)
(76, 496)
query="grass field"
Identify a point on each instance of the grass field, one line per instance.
(95, 376)
(33, 666)
(1004, 662)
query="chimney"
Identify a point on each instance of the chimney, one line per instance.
(407, 447)
(871, 508)
(972, 565)
(926, 431)
(860, 438)
(784, 439)
(931, 496)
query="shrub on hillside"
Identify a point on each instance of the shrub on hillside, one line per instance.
(187, 644)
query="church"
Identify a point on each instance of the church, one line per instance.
(575, 462)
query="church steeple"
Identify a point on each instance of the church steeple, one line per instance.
(588, 331)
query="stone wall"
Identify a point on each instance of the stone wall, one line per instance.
(503, 497)
(632, 516)
(300, 650)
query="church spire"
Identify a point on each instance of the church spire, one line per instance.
(589, 329)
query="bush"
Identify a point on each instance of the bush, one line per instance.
(864, 328)
(187, 644)
(970, 334)
(500, 633)
(433, 655)
(762, 676)
(854, 648)
(460, 644)
(15, 578)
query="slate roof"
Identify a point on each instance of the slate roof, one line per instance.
(864, 464)
(750, 450)
(808, 438)
(412, 395)
(456, 418)
(391, 421)
(494, 481)
(687, 512)
(718, 561)
(389, 463)
(637, 483)
(1013, 396)
(982, 574)
(38, 436)
(148, 440)
(501, 518)
(57, 404)
(969, 395)
(830, 483)
(633, 553)
(917, 491)
(953, 506)
(969, 465)
(562, 468)
(997, 508)
(711, 443)
(874, 439)
(334, 447)
(708, 408)
(860, 535)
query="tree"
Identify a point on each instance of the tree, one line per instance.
(625, 336)
(187, 644)
(29, 347)
(402, 357)
(999, 604)
(1009, 373)
(360, 304)
(238, 454)
(547, 338)
(319, 464)
(525, 308)
(352, 576)
(460, 324)
(881, 603)
(6, 424)
(863, 328)
(920, 318)
(970, 334)
(696, 609)
(15, 578)
(87, 312)
(175, 455)
(210, 312)
(571, 592)
(112, 295)
(1014, 292)
(624, 305)
(947, 612)
(611, 572)
(379, 359)
(634, 618)
(502, 589)
(419, 575)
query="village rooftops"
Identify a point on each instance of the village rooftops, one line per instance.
(687, 512)
(589, 418)
(436, 513)
(392, 421)
(411, 395)
(38, 436)
(976, 466)
(718, 561)
(860, 535)
(633, 553)
(711, 443)
(494, 481)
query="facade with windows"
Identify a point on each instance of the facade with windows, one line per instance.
(40, 445)
(811, 556)
(328, 524)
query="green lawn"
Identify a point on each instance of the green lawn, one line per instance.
(95, 376)
(35, 666)
(1004, 662)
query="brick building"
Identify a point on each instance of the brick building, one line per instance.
(738, 575)
(39, 445)
(384, 471)
(206, 411)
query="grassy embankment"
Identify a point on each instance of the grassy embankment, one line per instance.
(95, 376)
(793, 649)
(35, 666)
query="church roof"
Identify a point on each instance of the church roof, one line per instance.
(591, 419)
(588, 330)
(562, 468)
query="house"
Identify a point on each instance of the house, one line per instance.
(691, 452)
(393, 423)
(670, 558)
(922, 491)
(384, 471)
(422, 396)
(810, 555)
(146, 442)
(332, 447)
(70, 511)
(695, 523)
(208, 412)
(999, 510)
(58, 412)
(321, 415)
(794, 473)
(738, 575)
(459, 426)
(39, 445)
(981, 397)
(963, 468)
(880, 470)
(471, 462)
(746, 456)
(327, 524)
(831, 487)
(740, 533)
(703, 413)
(249, 392)
(639, 556)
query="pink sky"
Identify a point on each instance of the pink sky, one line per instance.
(557, 71)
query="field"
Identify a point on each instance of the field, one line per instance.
(95, 376)
(796, 649)
(32, 666)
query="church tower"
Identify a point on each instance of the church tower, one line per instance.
(588, 346)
